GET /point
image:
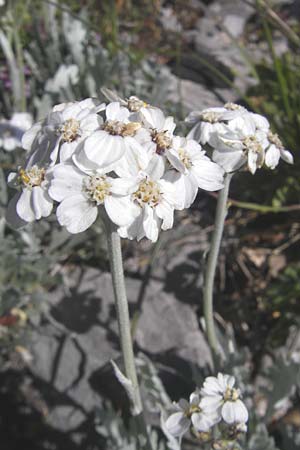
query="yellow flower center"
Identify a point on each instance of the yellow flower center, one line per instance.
(116, 128)
(274, 139)
(31, 177)
(162, 141)
(148, 192)
(210, 116)
(192, 410)
(231, 395)
(252, 144)
(70, 130)
(184, 158)
(97, 187)
(134, 104)
(232, 106)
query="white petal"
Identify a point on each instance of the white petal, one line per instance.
(209, 175)
(104, 149)
(195, 398)
(175, 161)
(169, 124)
(90, 123)
(76, 213)
(135, 230)
(225, 381)
(134, 159)
(30, 135)
(165, 212)
(272, 157)
(286, 156)
(252, 161)
(156, 167)
(177, 195)
(234, 412)
(67, 149)
(124, 186)
(211, 403)
(183, 404)
(66, 182)
(195, 133)
(116, 112)
(150, 223)
(211, 386)
(229, 160)
(41, 203)
(190, 189)
(121, 210)
(24, 206)
(153, 117)
(202, 422)
(260, 122)
(139, 152)
(177, 424)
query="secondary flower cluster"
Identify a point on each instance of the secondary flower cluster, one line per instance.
(12, 130)
(217, 401)
(239, 138)
(123, 157)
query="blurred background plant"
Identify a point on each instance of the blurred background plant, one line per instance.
(53, 52)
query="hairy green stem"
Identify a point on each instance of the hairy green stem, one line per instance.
(116, 264)
(117, 272)
(210, 272)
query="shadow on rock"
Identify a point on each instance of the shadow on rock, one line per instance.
(78, 312)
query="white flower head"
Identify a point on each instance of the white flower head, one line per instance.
(193, 170)
(113, 142)
(65, 127)
(215, 120)
(190, 414)
(276, 151)
(242, 145)
(157, 137)
(220, 396)
(153, 201)
(11, 131)
(81, 194)
(32, 202)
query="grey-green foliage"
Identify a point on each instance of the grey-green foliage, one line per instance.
(261, 440)
(290, 437)
(72, 64)
(117, 436)
(284, 377)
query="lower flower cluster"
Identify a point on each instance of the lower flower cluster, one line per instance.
(217, 402)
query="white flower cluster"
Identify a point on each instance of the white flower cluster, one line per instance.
(239, 138)
(217, 400)
(123, 157)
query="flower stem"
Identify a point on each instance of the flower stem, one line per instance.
(116, 264)
(210, 272)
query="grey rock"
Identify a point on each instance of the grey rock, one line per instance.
(168, 324)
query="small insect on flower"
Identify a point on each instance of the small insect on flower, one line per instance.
(32, 202)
